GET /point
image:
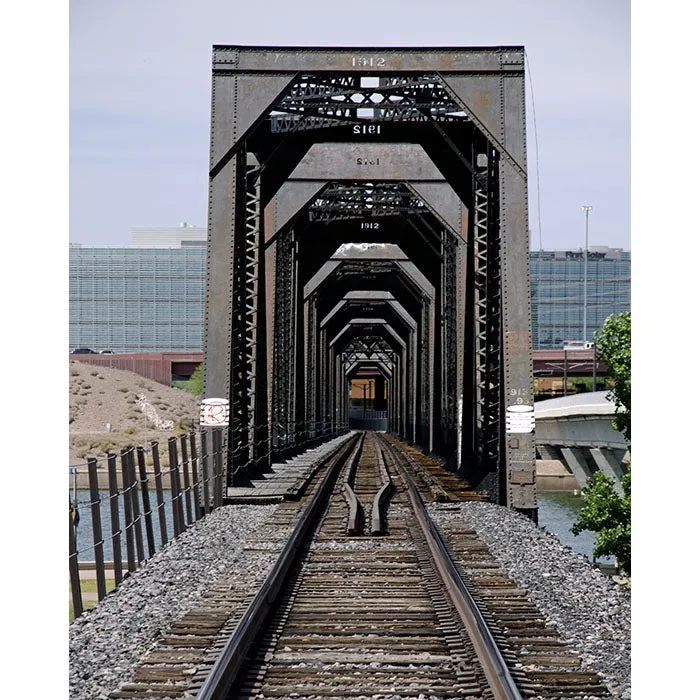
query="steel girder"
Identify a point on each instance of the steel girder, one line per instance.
(347, 201)
(398, 323)
(400, 388)
(487, 88)
(343, 200)
(418, 388)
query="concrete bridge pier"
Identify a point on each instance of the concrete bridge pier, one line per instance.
(609, 461)
(576, 461)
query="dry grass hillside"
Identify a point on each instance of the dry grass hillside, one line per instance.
(112, 408)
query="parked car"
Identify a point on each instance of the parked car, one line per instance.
(106, 352)
(83, 351)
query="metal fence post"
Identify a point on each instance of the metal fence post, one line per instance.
(159, 493)
(143, 477)
(97, 528)
(114, 512)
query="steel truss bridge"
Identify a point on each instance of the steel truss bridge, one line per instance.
(368, 217)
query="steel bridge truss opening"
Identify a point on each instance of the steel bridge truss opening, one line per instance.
(368, 217)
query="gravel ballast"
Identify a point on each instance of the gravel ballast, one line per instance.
(106, 643)
(590, 610)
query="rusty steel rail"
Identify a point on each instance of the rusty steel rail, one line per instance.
(355, 507)
(501, 682)
(223, 674)
(382, 496)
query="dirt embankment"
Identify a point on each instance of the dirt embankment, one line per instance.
(110, 409)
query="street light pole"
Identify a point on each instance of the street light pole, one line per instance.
(586, 208)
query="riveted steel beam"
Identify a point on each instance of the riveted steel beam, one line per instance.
(367, 162)
(383, 368)
(363, 59)
(361, 305)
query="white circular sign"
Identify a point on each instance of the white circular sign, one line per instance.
(214, 412)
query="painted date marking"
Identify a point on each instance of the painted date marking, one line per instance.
(367, 129)
(368, 61)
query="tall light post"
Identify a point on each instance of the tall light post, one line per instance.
(586, 208)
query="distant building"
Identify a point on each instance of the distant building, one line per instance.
(183, 236)
(557, 283)
(149, 297)
(145, 298)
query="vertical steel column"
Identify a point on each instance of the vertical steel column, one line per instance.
(241, 389)
(330, 377)
(518, 442)
(424, 361)
(492, 392)
(311, 367)
(257, 314)
(414, 364)
(408, 384)
(436, 379)
(300, 432)
(282, 403)
(481, 425)
(324, 403)
(448, 413)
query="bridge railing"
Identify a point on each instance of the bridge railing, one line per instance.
(136, 502)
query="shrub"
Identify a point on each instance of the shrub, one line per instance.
(608, 514)
(196, 383)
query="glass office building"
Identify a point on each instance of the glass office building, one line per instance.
(557, 284)
(137, 299)
(150, 298)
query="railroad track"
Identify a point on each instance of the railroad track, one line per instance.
(369, 599)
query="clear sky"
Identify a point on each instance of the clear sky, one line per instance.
(140, 97)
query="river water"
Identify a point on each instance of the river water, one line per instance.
(557, 513)
(84, 533)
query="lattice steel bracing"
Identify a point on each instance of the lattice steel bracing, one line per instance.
(487, 289)
(368, 348)
(365, 200)
(244, 390)
(323, 101)
(424, 382)
(283, 414)
(448, 411)
(312, 329)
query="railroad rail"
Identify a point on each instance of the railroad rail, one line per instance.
(369, 598)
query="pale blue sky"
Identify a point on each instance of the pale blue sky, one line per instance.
(140, 81)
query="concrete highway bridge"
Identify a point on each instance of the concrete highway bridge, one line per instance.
(577, 430)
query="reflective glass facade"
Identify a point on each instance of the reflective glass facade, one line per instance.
(152, 299)
(137, 299)
(557, 284)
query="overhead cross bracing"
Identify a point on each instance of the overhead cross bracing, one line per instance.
(372, 199)
(321, 101)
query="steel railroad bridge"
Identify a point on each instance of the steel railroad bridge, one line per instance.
(368, 216)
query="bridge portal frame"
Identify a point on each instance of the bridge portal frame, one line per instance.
(488, 84)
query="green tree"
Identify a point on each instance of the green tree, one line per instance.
(608, 514)
(614, 347)
(604, 510)
(196, 381)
